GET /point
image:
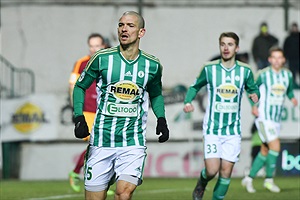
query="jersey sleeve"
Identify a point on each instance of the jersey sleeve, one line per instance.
(78, 100)
(87, 77)
(258, 78)
(154, 88)
(196, 86)
(251, 86)
(289, 91)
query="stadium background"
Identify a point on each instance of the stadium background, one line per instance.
(46, 37)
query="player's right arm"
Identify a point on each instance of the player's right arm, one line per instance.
(193, 90)
(87, 77)
(72, 80)
(85, 80)
(77, 69)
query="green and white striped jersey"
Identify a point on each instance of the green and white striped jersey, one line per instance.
(225, 88)
(273, 87)
(124, 88)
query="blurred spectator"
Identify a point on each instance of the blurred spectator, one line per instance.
(261, 45)
(291, 49)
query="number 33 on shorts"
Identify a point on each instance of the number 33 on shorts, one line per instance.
(211, 150)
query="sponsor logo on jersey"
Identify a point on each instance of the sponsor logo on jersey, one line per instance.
(278, 89)
(226, 107)
(28, 118)
(121, 110)
(227, 91)
(125, 91)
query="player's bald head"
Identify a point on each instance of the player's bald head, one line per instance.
(141, 21)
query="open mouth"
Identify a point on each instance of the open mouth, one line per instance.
(123, 36)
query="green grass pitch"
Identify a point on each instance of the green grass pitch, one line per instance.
(151, 189)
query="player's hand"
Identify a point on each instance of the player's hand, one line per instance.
(188, 108)
(253, 97)
(81, 129)
(162, 128)
(255, 111)
(294, 101)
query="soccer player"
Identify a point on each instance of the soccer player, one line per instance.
(275, 83)
(95, 43)
(225, 80)
(127, 78)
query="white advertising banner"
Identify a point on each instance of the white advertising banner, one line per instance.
(32, 118)
(42, 117)
(171, 159)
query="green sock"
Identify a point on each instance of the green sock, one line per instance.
(258, 163)
(203, 177)
(271, 163)
(221, 188)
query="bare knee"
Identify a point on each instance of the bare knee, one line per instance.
(212, 172)
(124, 190)
(212, 166)
(274, 145)
(264, 150)
(125, 194)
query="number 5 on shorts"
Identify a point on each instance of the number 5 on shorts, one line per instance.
(89, 173)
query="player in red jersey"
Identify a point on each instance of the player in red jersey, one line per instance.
(95, 43)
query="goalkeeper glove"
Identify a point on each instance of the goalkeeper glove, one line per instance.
(81, 129)
(163, 129)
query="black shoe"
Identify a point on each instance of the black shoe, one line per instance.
(199, 191)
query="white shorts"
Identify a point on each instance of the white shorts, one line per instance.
(267, 130)
(125, 163)
(227, 147)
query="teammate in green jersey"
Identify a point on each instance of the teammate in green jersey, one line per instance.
(225, 80)
(127, 78)
(275, 83)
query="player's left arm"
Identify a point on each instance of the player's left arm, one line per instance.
(290, 91)
(154, 88)
(251, 87)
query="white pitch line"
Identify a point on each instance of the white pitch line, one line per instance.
(163, 190)
(56, 197)
(137, 191)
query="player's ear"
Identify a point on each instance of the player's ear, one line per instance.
(142, 32)
(237, 49)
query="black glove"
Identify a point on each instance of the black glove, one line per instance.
(81, 129)
(163, 129)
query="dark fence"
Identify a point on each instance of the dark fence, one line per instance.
(15, 82)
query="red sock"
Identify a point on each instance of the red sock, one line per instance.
(80, 163)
